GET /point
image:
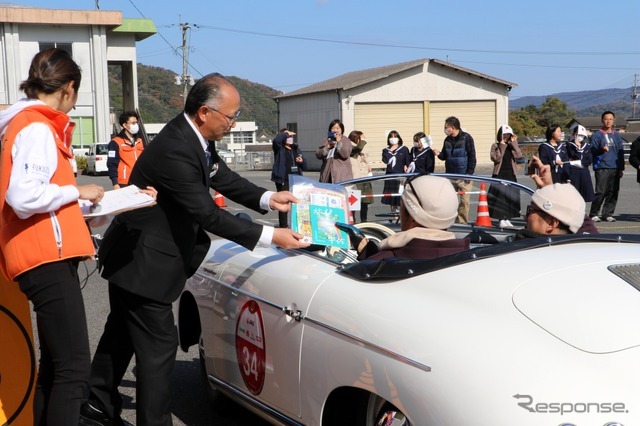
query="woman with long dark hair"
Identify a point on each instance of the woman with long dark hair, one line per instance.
(43, 234)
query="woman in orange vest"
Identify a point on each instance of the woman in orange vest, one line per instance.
(43, 235)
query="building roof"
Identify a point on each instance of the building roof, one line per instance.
(594, 122)
(142, 28)
(359, 78)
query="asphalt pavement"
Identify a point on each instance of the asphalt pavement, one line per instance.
(189, 405)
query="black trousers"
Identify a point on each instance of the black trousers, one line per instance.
(607, 188)
(65, 358)
(283, 216)
(140, 326)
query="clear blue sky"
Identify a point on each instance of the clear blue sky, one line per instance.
(543, 46)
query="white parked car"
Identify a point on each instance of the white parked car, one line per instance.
(97, 159)
(542, 331)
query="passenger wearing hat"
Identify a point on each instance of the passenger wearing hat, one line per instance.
(428, 207)
(554, 210)
(504, 201)
(579, 151)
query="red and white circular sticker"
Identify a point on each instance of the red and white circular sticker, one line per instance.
(250, 346)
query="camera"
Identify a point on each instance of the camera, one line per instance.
(332, 136)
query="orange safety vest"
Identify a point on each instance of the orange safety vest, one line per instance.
(43, 237)
(128, 154)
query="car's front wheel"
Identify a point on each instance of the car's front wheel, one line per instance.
(211, 391)
(380, 412)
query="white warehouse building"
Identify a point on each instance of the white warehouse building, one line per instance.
(408, 97)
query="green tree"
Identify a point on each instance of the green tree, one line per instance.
(554, 111)
(523, 122)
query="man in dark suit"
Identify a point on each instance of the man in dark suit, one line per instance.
(147, 254)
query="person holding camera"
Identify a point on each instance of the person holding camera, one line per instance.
(335, 151)
(288, 160)
(504, 201)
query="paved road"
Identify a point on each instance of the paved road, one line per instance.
(189, 406)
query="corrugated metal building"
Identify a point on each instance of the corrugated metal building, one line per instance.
(408, 97)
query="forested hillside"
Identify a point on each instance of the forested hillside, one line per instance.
(160, 98)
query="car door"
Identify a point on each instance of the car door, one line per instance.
(257, 298)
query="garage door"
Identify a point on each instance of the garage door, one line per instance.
(376, 120)
(478, 118)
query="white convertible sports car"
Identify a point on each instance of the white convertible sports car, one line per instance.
(542, 331)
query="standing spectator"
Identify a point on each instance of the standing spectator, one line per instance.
(504, 201)
(361, 168)
(459, 156)
(334, 151)
(608, 156)
(288, 160)
(124, 150)
(44, 235)
(554, 153)
(634, 156)
(423, 159)
(579, 149)
(397, 158)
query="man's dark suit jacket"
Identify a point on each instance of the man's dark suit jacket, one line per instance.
(152, 251)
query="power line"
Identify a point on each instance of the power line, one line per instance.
(401, 46)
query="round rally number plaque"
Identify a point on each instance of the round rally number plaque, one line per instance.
(250, 346)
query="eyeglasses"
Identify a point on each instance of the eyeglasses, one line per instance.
(531, 208)
(231, 119)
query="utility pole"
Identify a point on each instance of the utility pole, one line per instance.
(634, 96)
(185, 51)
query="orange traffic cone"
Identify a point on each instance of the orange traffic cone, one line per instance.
(219, 200)
(483, 218)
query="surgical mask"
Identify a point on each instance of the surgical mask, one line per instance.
(289, 141)
(447, 132)
(393, 141)
(134, 128)
(579, 138)
(416, 145)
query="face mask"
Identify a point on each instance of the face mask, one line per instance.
(133, 129)
(289, 141)
(447, 132)
(416, 144)
(580, 138)
(393, 141)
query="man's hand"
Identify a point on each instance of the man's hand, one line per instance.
(281, 201)
(286, 238)
(116, 186)
(543, 178)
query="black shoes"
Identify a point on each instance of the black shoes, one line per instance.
(91, 416)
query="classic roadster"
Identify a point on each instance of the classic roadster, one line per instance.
(541, 331)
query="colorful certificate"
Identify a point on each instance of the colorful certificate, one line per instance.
(321, 205)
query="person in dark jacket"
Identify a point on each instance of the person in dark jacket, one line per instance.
(634, 156)
(459, 156)
(287, 160)
(428, 207)
(580, 158)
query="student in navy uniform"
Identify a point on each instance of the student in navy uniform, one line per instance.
(397, 158)
(579, 149)
(554, 153)
(423, 159)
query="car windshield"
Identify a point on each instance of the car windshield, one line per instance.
(102, 149)
(496, 209)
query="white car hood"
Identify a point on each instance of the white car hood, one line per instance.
(590, 308)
